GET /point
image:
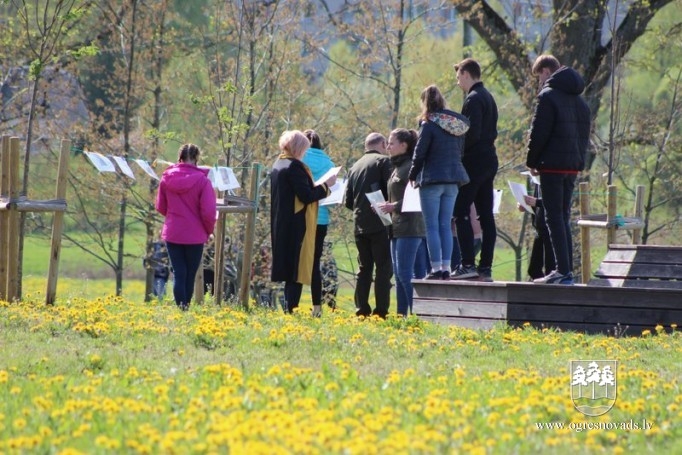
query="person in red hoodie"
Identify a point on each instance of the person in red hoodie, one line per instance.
(187, 199)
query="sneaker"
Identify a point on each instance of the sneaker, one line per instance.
(464, 272)
(437, 275)
(445, 274)
(555, 277)
(485, 274)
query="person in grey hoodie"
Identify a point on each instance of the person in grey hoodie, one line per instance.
(438, 172)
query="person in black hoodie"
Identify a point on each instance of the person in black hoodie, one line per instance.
(480, 161)
(559, 137)
(438, 172)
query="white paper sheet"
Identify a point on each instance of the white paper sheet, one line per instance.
(327, 175)
(497, 200)
(337, 192)
(519, 191)
(376, 198)
(101, 162)
(411, 201)
(224, 178)
(123, 166)
(147, 168)
(533, 178)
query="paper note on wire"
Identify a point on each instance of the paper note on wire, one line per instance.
(123, 166)
(101, 162)
(147, 168)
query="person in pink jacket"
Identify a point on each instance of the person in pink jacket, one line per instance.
(187, 199)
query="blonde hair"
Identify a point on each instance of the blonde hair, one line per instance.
(294, 143)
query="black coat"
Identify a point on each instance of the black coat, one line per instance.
(479, 145)
(560, 129)
(290, 178)
(370, 173)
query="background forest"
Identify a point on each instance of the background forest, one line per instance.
(136, 79)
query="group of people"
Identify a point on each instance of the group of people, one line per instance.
(451, 159)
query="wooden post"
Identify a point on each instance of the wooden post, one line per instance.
(586, 262)
(57, 224)
(13, 228)
(639, 209)
(611, 211)
(219, 259)
(249, 236)
(4, 218)
(199, 283)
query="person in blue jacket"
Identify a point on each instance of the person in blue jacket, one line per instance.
(319, 163)
(438, 172)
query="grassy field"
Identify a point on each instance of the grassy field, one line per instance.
(114, 375)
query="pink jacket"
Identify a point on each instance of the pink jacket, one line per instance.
(187, 200)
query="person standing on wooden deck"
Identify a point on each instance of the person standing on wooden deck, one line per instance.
(559, 137)
(480, 161)
(438, 172)
(369, 174)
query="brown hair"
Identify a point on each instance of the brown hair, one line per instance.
(432, 101)
(405, 136)
(188, 153)
(471, 66)
(314, 139)
(545, 61)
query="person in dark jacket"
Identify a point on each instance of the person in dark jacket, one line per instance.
(480, 161)
(370, 173)
(559, 137)
(438, 172)
(293, 217)
(407, 228)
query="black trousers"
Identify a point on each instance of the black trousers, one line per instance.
(374, 250)
(479, 191)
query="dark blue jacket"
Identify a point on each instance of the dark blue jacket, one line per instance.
(560, 129)
(479, 148)
(437, 156)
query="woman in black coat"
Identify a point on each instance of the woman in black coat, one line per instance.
(293, 217)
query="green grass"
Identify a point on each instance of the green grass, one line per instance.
(109, 375)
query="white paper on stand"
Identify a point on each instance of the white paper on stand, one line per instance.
(519, 191)
(228, 178)
(411, 201)
(327, 175)
(337, 191)
(376, 198)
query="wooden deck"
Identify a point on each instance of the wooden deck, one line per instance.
(636, 288)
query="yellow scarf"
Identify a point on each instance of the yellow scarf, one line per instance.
(307, 253)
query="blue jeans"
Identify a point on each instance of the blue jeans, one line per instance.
(438, 203)
(403, 254)
(557, 192)
(422, 264)
(185, 260)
